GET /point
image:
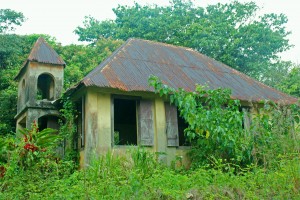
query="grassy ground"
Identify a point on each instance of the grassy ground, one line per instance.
(141, 177)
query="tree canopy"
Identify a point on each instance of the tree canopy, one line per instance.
(9, 19)
(233, 33)
(291, 83)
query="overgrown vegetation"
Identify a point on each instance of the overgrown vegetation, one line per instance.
(217, 127)
(261, 162)
(139, 177)
(68, 131)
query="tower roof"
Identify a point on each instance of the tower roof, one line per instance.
(42, 52)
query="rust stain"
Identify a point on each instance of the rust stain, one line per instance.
(113, 79)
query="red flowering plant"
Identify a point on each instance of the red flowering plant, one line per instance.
(28, 139)
(34, 143)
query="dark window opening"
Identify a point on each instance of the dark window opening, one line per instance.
(125, 122)
(182, 125)
(48, 122)
(80, 139)
(45, 87)
(51, 121)
(23, 84)
(42, 123)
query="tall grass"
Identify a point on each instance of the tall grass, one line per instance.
(139, 176)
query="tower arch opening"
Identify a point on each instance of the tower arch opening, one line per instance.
(45, 87)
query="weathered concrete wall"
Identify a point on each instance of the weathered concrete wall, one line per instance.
(56, 71)
(29, 108)
(99, 137)
(27, 88)
(23, 91)
(168, 154)
(104, 123)
(91, 126)
(160, 137)
(98, 130)
(21, 122)
(35, 114)
(26, 119)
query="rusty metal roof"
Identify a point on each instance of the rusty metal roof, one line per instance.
(129, 68)
(42, 52)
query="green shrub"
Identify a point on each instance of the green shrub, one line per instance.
(275, 133)
(215, 127)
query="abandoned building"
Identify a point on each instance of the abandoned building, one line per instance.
(117, 108)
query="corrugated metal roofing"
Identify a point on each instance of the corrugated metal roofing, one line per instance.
(129, 68)
(42, 52)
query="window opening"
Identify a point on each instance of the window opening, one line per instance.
(23, 84)
(80, 123)
(48, 121)
(125, 122)
(45, 87)
(182, 125)
(42, 123)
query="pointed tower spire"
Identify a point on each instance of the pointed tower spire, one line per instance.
(42, 52)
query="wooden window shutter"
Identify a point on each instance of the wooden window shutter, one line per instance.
(80, 124)
(145, 123)
(171, 125)
(82, 135)
(246, 118)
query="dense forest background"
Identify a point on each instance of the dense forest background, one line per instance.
(233, 33)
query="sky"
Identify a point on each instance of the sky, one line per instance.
(59, 18)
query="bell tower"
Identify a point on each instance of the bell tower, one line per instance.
(40, 84)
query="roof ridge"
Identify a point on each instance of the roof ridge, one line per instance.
(35, 45)
(166, 44)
